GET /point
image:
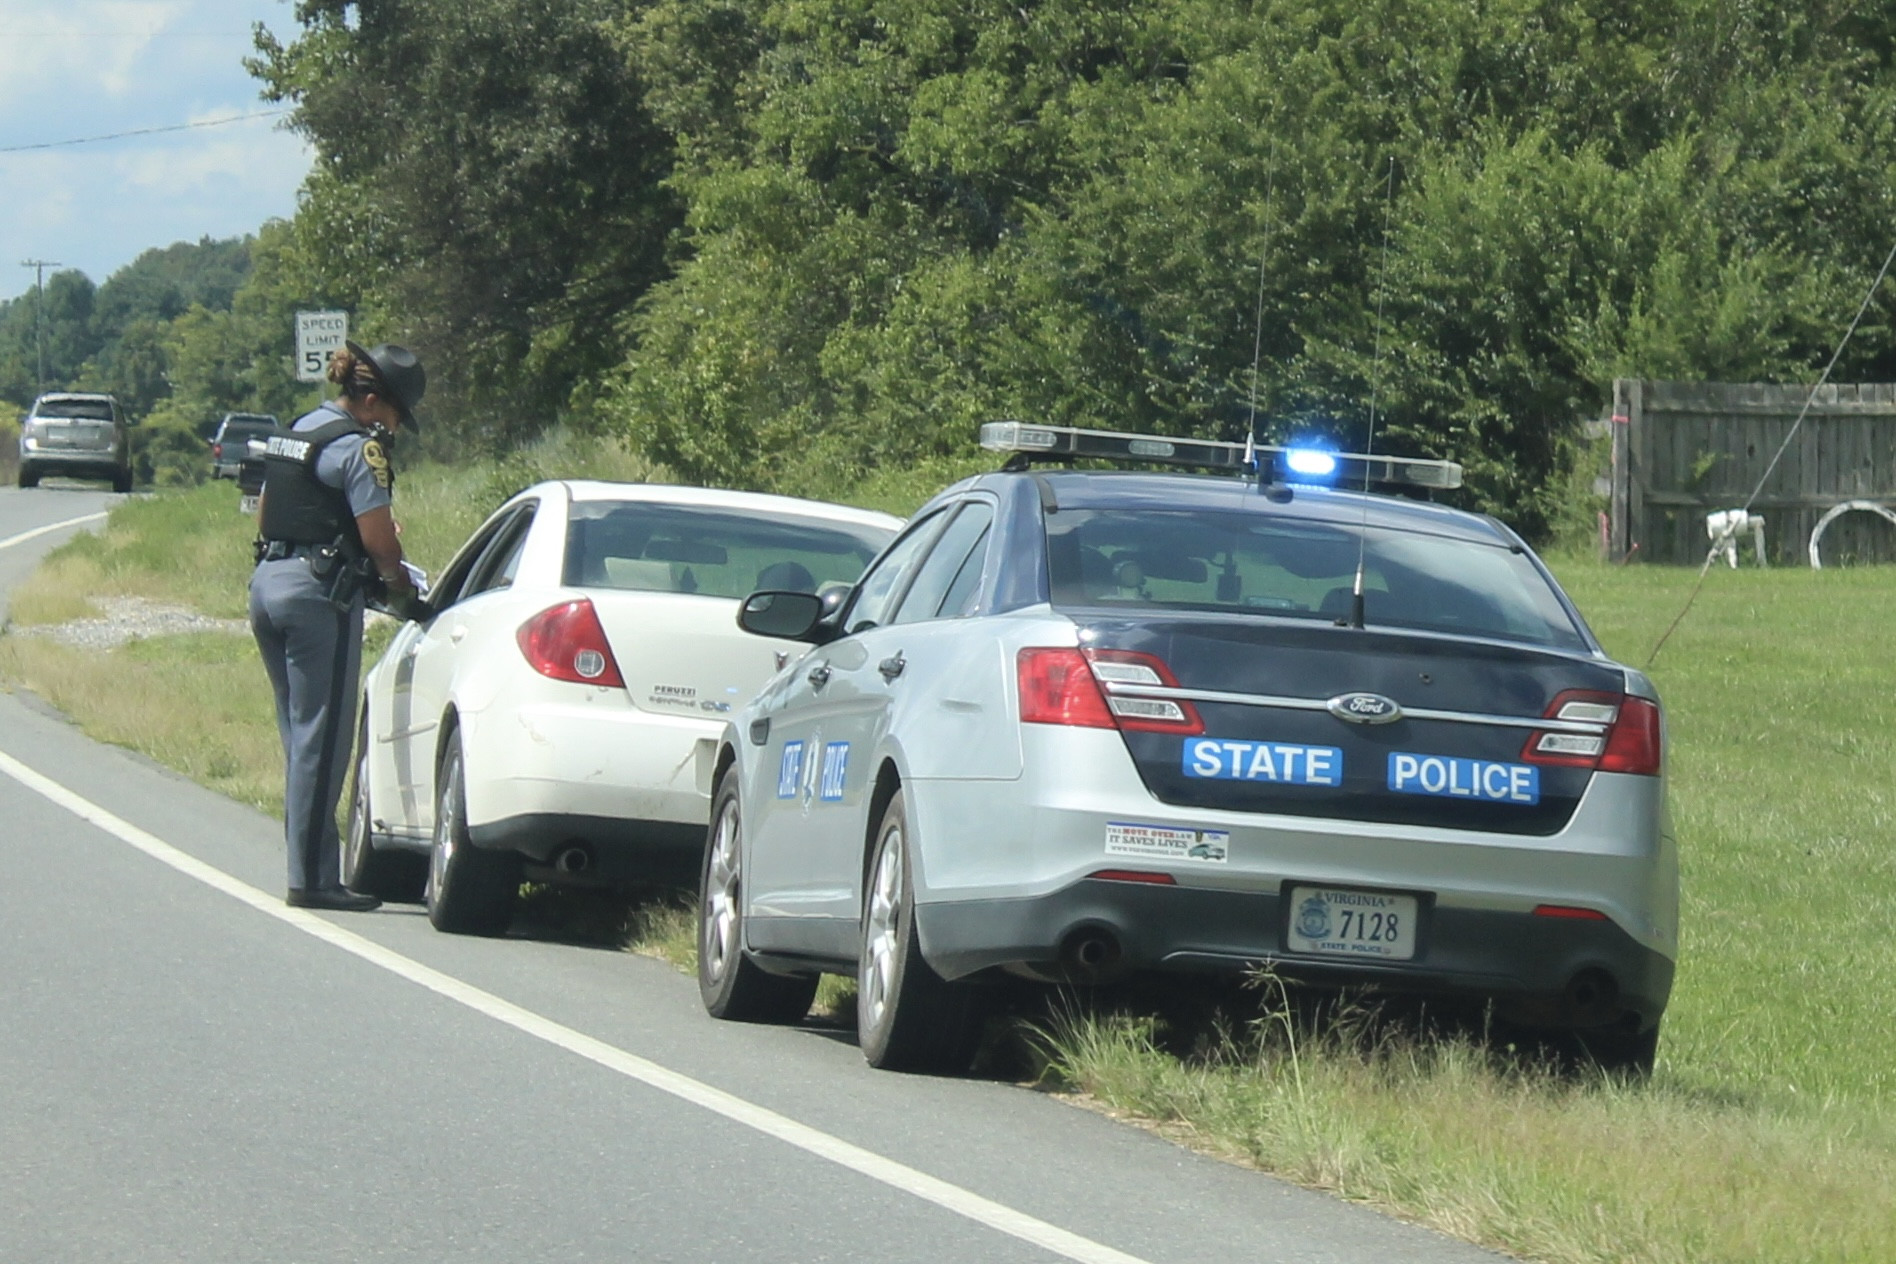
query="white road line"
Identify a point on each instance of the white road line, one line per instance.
(37, 532)
(962, 1202)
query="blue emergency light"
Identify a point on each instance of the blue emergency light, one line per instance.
(1310, 465)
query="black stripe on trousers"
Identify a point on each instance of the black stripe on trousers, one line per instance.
(332, 713)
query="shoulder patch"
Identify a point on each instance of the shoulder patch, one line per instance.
(378, 462)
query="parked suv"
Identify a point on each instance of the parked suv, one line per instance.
(231, 441)
(85, 436)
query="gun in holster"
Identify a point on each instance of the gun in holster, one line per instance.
(346, 575)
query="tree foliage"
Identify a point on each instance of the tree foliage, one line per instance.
(908, 216)
(487, 189)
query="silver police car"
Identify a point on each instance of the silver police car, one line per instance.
(1077, 723)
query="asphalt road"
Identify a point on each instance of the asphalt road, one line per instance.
(191, 1071)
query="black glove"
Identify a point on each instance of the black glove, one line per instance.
(404, 602)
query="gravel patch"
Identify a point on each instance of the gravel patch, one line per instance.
(130, 619)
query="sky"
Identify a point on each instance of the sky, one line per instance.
(82, 68)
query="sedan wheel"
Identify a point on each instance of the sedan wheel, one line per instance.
(908, 1018)
(470, 891)
(389, 875)
(732, 985)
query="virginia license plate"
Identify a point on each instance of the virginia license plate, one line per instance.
(1335, 922)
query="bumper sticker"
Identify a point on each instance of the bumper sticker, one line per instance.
(1448, 777)
(1284, 762)
(1166, 842)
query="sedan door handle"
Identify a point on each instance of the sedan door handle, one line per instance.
(892, 667)
(819, 675)
(459, 632)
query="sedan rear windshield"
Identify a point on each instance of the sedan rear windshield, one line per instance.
(1247, 562)
(711, 552)
(82, 409)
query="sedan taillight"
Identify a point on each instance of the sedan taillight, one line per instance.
(568, 643)
(1629, 742)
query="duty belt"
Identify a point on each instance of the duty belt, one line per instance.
(277, 550)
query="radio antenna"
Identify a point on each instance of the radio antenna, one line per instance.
(1375, 386)
(1257, 337)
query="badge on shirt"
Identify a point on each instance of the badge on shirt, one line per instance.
(378, 463)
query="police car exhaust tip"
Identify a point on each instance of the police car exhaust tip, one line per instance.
(1593, 996)
(574, 859)
(1090, 953)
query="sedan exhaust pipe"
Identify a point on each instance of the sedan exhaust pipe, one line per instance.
(572, 860)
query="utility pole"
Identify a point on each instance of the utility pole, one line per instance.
(39, 267)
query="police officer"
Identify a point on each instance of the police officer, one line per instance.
(328, 542)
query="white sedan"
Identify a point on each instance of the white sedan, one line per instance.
(563, 706)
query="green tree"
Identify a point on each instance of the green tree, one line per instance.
(488, 188)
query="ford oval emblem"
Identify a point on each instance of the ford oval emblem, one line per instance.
(1364, 708)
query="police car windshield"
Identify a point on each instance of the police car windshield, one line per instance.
(710, 552)
(77, 409)
(1237, 562)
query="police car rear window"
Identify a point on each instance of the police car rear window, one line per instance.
(1240, 562)
(710, 552)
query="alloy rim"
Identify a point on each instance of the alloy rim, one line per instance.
(358, 824)
(885, 898)
(720, 895)
(447, 813)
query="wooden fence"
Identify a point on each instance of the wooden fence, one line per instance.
(1684, 449)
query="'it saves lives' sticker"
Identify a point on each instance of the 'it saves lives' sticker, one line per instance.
(1166, 842)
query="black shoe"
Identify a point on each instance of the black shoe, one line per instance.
(341, 899)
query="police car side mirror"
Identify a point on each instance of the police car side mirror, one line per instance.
(787, 616)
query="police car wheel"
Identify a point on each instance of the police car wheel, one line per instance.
(29, 477)
(388, 875)
(732, 986)
(122, 481)
(908, 1018)
(470, 891)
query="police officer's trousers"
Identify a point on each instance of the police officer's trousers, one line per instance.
(313, 652)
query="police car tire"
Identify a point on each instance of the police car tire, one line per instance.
(401, 876)
(924, 1022)
(732, 986)
(470, 891)
(122, 481)
(29, 477)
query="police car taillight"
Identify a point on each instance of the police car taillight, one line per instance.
(1142, 714)
(1057, 687)
(1075, 687)
(568, 643)
(1609, 732)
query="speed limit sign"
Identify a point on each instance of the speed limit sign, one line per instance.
(318, 334)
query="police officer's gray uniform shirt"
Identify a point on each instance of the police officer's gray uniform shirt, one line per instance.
(312, 650)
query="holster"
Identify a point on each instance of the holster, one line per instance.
(345, 576)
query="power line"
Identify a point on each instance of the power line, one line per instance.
(144, 131)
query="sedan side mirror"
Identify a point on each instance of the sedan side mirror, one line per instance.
(787, 616)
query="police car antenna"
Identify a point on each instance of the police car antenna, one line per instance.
(1375, 386)
(1257, 336)
(1706, 566)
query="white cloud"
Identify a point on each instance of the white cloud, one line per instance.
(94, 45)
(97, 67)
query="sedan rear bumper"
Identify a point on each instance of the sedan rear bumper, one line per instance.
(1545, 970)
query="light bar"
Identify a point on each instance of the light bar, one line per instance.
(1066, 443)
